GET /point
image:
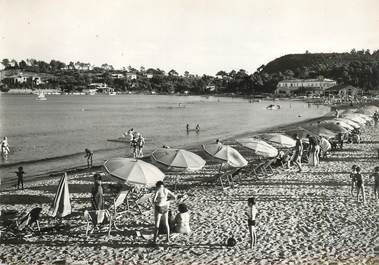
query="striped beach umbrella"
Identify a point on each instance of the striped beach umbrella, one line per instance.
(61, 205)
(225, 153)
(133, 171)
(177, 159)
(259, 147)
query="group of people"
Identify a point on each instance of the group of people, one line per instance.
(197, 128)
(5, 148)
(357, 182)
(137, 142)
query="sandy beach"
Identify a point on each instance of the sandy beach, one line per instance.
(304, 218)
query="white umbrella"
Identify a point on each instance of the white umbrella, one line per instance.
(133, 171)
(339, 123)
(355, 118)
(350, 122)
(178, 159)
(226, 154)
(280, 139)
(61, 205)
(259, 147)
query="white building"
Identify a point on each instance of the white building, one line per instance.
(303, 86)
(118, 76)
(131, 76)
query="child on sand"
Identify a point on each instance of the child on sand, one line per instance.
(20, 177)
(359, 184)
(352, 178)
(375, 175)
(251, 222)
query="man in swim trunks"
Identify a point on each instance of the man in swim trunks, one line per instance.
(89, 156)
(251, 221)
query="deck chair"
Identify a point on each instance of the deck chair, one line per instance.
(20, 224)
(97, 218)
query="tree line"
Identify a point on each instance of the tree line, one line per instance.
(357, 68)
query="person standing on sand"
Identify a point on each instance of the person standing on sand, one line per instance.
(20, 177)
(89, 156)
(375, 175)
(359, 184)
(298, 153)
(140, 145)
(197, 128)
(251, 221)
(5, 148)
(353, 179)
(162, 205)
(97, 193)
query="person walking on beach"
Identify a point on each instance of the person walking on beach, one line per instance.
(314, 150)
(97, 193)
(162, 204)
(375, 175)
(187, 127)
(20, 177)
(359, 184)
(353, 178)
(89, 156)
(251, 221)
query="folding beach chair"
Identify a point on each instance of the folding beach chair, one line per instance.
(19, 224)
(97, 218)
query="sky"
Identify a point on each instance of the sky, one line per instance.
(199, 36)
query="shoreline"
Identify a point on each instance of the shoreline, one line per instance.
(9, 182)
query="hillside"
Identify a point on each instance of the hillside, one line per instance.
(357, 68)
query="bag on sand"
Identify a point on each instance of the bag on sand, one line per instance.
(231, 242)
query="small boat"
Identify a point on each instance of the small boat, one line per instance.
(41, 96)
(273, 107)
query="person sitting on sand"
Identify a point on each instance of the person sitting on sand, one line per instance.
(162, 205)
(182, 220)
(89, 156)
(20, 177)
(375, 175)
(97, 193)
(251, 221)
(352, 178)
(359, 184)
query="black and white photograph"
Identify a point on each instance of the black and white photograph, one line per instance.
(189, 132)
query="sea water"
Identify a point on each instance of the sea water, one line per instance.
(52, 135)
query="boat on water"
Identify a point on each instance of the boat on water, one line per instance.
(273, 107)
(41, 96)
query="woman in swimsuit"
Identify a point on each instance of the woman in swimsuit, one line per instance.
(251, 222)
(162, 204)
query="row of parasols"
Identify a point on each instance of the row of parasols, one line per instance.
(137, 172)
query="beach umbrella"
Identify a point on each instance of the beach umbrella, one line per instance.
(369, 110)
(178, 159)
(299, 131)
(338, 123)
(334, 127)
(321, 131)
(355, 118)
(350, 122)
(280, 139)
(133, 171)
(259, 147)
(225, 153)
(61, 204)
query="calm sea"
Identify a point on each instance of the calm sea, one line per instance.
(52, 135)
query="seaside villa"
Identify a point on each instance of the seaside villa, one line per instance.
(304, 86)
